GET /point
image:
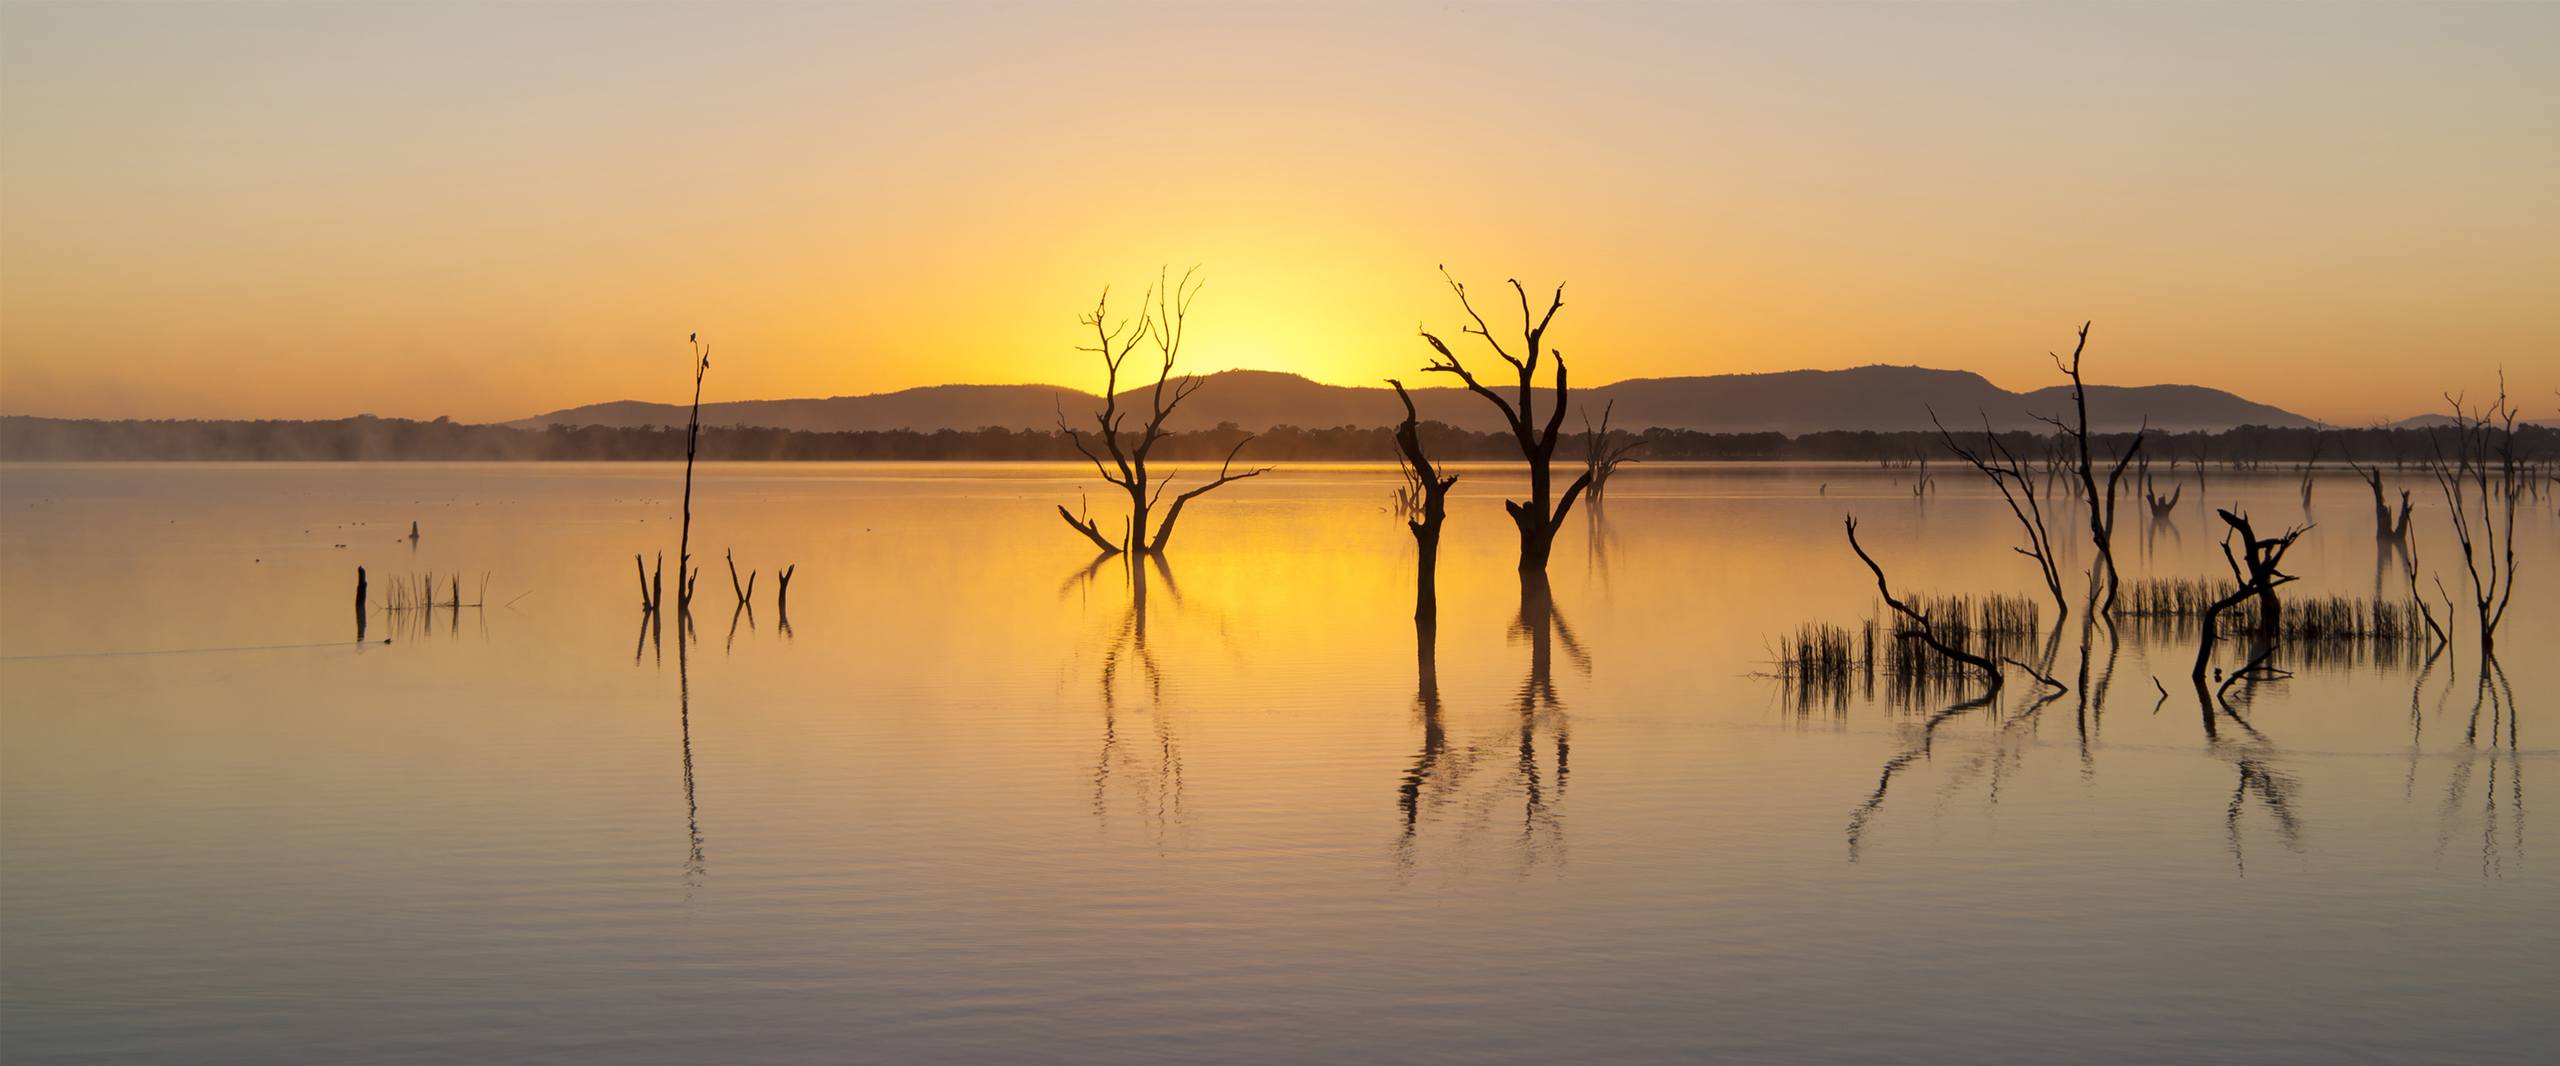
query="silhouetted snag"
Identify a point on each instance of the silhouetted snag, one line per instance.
(649, 586)
(1164, 530)
(2308, 467)
(2102, 508)
(1920, 630)
(2408, 549)
(685, 571)
(782, 594)
(2254, 570)
(1537, 521)
(2161, 505)
(746, 592)
(1600, 459)
(1434, 490)
(360, 612)
(1161, 316)
(2482, 478)
(2386, 529)
(2005, 471)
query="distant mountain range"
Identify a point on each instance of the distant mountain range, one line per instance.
(1881, 398)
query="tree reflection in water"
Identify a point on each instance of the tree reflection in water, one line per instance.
(1145, 761)
(1468, 787)
(2492, 717)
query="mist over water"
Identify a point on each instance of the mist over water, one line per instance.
(979, 797)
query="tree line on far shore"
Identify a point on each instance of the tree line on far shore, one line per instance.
(30, 439)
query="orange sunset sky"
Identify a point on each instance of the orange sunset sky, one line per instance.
(279, 210)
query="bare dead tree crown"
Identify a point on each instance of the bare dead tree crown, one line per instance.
(1542, 514)
(2105, 583)
(1163, 316)
(1996, 462)
(2255, 573)
(2481, 472)
(1601, 457)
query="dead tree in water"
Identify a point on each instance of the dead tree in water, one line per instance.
(1600, 459)
(2010, 476)
(1919, 629)
(652, 583)
(2161, 505)
(1161, 316)
(1538, 521)
(2308, 466)
(2254, 570)
(744, 592)
(2386, 529)
(2483, 477)
(2102, 508)
(1434, 490)
(685, 571)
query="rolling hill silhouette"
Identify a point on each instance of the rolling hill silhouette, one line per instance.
(1881, 398)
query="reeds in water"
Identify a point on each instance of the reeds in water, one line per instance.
(424, 592)
(1822, 663)
(2322, 630)
(1995, 627)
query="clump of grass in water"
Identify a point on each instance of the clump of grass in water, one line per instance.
(1995, 627)
(1820, 663)
(2328, 630)
(421, 592)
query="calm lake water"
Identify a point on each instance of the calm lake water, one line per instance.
(980, 800)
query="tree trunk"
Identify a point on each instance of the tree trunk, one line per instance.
(1536, 539)
(1426, 592)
